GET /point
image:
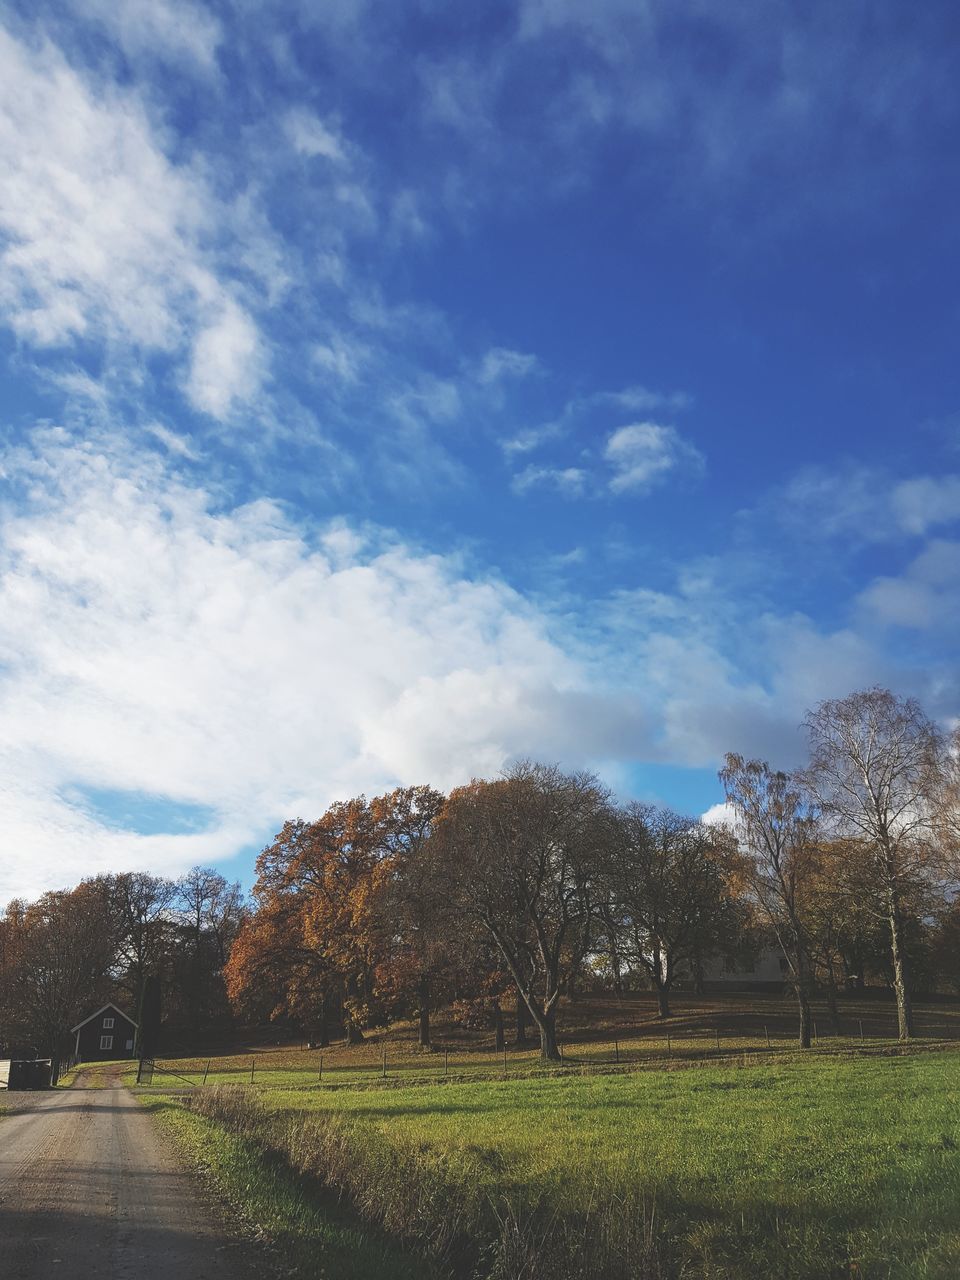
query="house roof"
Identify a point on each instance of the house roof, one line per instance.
(97, 1015)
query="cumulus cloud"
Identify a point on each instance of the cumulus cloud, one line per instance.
(924, 597)
(226, 366)
(643, 454)
(154, 644)
(924, 502)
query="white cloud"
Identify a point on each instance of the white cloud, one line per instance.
(531, 438)
(643, 454)
(925, 501)
(639, 399)
(227, 363)
(102, 237)
(311, 136)
(231, 658)
(570, 481)
(173, 29)
(501, 362)
(341, 357)
(925, 597)
(151, 643)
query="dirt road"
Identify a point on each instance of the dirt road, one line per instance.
(89, 1191)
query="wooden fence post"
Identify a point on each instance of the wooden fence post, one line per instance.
(718, 1039)
(669, 1046)
(253, 1067)
(206, 1071)
(616, 1050)
(860, 1021)
(766, 1032)
(320, 1070)
(384, 1062)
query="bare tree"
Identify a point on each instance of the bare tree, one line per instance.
(875, 772)
(140, 904)
(521, 857)
(667, 893)
(777, 836)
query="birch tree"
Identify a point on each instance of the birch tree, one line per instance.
(875, 772)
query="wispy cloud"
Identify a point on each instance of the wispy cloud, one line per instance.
(501, 362)
(644, 454)
(175, 30)
(105, 239)
(572, 482)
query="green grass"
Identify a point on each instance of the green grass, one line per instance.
(823, 1167)
(312, 1233)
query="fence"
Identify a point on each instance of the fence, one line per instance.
(394, 1062)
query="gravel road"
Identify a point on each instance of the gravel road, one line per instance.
(90, 1191)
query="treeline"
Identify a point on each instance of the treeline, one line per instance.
(71, 951)
(538, 881)
(508, 894)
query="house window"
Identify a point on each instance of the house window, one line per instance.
(107, 1024)
(106, 1042)
(129, 1045)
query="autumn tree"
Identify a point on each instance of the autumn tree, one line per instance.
(667, 894)
(273, 971)
(874, 772)
(777, 836)
(412, 920)
(522, 856)
(65, 950)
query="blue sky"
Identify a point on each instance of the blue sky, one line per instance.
(390, 391)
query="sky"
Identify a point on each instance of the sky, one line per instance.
(391, 391)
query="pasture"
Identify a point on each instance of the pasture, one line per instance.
(840, 1162)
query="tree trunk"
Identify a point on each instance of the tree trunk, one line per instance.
(523, 1021)
(547, 1026)
(499, 1039)
(901, 985)
(423, 994)
(698, 988)
(615, 967)
(805, 1019)
(354, 1033)
(831, 994)
(663, 1001)
(323, 1026)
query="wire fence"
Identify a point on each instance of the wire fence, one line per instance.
(393, 1062)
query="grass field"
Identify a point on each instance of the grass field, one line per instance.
(824, 1166)
(597, 1034)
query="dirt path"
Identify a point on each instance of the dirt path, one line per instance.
(88, 1189)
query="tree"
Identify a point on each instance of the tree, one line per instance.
(413, 921)
(667, 893)
(522, 858)
(210, 912)
(140, 904)
(778, 839)
(66, 949)
(875, 773)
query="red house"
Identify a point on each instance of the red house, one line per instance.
(105, 1036)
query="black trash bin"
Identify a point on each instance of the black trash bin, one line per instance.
(30, 1073)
